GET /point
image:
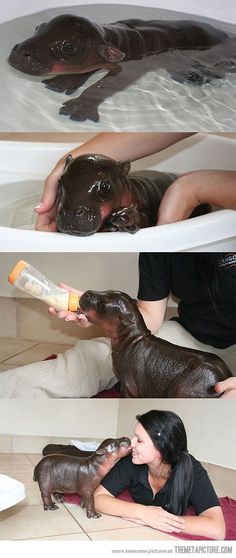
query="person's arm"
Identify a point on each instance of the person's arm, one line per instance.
(153, 313)
(227, 388)
(209, 523)
(155, 517)
(117, 145)
(216, 187)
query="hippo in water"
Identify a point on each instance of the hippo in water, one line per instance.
(72, 48)
(96, 193)
(145, 365)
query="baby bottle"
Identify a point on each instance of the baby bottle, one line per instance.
(31, 281)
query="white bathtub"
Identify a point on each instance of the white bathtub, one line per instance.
(22, 161)
(12, 491)
(153, 101)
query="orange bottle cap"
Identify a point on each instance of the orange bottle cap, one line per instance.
(73, 302)
(16, 271)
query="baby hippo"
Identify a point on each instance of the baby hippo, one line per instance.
(145, 365)
(62, 474)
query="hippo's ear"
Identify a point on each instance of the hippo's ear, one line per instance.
(100, 451)
(68, 160)
(123, 167)
(110, 53)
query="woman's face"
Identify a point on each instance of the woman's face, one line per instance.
(143, 449)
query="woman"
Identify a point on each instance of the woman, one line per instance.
(164, 480)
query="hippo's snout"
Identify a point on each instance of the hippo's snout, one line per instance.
(81, 221)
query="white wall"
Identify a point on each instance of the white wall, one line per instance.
(210, 424)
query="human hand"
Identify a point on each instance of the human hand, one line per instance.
(158, 518)
(47, 209)
(227, 388)
(76, 317)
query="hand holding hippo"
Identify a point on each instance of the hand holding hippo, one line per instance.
(145, 365)
(62, 474)
(97, 193)
(75, 48)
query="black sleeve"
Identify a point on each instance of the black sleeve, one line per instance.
(153, 277)
(120, 477)
(203, 495)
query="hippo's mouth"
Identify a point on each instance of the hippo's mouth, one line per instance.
(80, 222)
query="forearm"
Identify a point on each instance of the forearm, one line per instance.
(153, 313)
(120, 508)
(129, 145)
(203, 526)
(217, 187)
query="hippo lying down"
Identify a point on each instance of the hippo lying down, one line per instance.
(73, 48)
(96, 193)
(60, 474)
(145, 365)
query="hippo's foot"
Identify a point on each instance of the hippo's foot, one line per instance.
(59, 497)
(124, 219)
(67, 84)
(199, 75)
(50, 507)
(80, 109)
(93, 514)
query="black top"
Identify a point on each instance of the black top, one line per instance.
(163, 273)
(125, 475)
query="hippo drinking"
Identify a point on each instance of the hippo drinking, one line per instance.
(145, 365)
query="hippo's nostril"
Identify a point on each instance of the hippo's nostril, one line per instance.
(81, 211)
(27, 56)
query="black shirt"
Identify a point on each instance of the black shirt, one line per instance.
(125, 475)
(163, 273)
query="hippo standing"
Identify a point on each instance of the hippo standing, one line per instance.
(75, 48)
(62, 474)
(145, 365)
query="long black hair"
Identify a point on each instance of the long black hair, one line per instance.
(168, 435)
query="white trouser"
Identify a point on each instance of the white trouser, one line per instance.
(86, 368)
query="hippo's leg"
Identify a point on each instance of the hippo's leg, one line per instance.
(48, 504)
(86, 106)
(59, 497)
(124, 219)
(87, 502)
(194, 383)
(211, 63)
(67, 83)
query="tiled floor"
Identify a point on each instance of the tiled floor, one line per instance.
(18, 352)
(28, 520)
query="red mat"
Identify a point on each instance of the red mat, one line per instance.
(228, 506)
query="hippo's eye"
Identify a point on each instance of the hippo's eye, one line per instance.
(62, 49)
(103, 188)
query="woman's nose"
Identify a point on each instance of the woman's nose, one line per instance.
(133, 442)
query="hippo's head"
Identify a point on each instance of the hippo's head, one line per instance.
(89, 189)
(114, 448)
(114, 311)
(66, 44)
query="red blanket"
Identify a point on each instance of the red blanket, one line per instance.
(228, 506)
